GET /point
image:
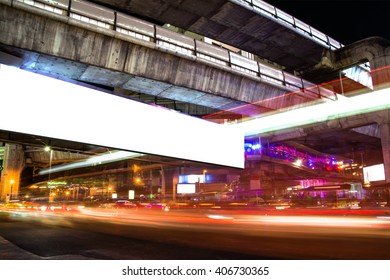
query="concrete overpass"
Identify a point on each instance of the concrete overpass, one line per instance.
(67, 47)
(264, 30)
(253, 26)
(61, 46)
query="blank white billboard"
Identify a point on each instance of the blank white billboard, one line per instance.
(374, 173)
(186, 188)
(39, 105)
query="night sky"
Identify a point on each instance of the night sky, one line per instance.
(346, 21)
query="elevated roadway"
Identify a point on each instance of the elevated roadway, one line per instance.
(161, 64)
(263, 30)
(253, 26)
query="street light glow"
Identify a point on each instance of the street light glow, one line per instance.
(100, 159)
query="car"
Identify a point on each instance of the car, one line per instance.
(153, 204)
(124, 204)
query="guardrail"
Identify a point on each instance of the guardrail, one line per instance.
(266, 9)
(108, 19)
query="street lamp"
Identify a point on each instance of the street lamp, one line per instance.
(12, 186)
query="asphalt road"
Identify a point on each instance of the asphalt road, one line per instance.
(198, 235)
(67, 237)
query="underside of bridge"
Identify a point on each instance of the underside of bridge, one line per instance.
(231, 22)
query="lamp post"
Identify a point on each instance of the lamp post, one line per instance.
(108, 192)
(48, 149)
(12, 186)
(204, 179)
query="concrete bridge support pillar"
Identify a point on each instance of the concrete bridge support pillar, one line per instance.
(383, 121)
(385, 139)
(169, 180)
(112, 185)
(13, 164)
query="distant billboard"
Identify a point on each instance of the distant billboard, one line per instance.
(131, 194)
(192, 178)
(374, 173)
(186, 188)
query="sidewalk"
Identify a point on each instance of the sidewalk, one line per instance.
(9, 251)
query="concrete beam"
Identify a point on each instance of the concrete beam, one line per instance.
(375, 50)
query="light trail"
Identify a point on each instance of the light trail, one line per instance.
(343, 107)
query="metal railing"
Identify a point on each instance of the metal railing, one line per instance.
(266, 9)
